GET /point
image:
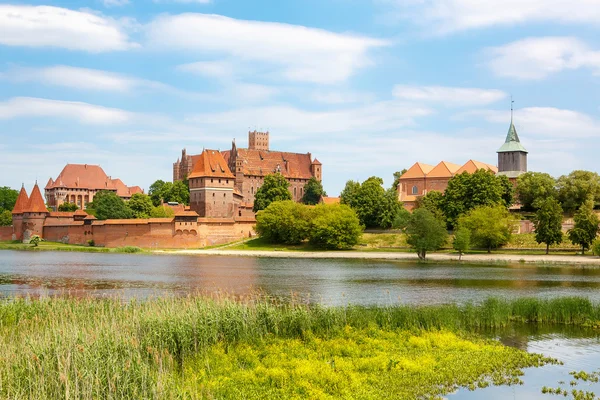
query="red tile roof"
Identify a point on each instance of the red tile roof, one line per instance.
(472, 166)
(22, 201)
(36, 202)
(212, 164)
(186, 214)
(261, 163)
(418, 170)
(330, 200)
(87, 176)
(444, 169)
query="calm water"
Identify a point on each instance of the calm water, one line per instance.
(332, 282)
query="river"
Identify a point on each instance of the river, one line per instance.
(332, 282)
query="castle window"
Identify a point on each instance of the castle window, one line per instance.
(224, 195)
(213, 195)
(219, 181)
(294, 192)
(415, 190)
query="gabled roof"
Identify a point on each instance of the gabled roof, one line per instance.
(472, 166)
(49, 184)
(211, 164)
(22, 201)
(317, 162)
(87, 176)
(444, 169)
(512, 142)
(330, 200)
(36, 202)
(418, 170)
(265, 162)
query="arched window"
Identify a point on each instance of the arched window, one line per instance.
(415, 190)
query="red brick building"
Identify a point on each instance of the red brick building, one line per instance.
(250, 166)
(78, 183)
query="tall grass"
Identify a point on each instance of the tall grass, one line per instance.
(104, 348)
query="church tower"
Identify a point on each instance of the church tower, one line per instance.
(512, 156)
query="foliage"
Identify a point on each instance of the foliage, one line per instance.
(533, 187)
(596, 247)
(375, 206)
(283, 222)
(467, 191)
(274, 188)
(129, 249)
(35, 240)
(462, 241)
(164, 192)
(490, 226)
(397, 176)
(401, 219)
(313, 191)
(334, 226)
(574, 189)
(548, 222)
(108, 205)
(425, 232)
(91, 243)
(5, 218)
(162, 212)
(585, 230)
(8, 198)
(434, 202)
(68, 207)
(140, 205)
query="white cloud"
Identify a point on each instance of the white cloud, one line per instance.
(213, 69)
(447, 16)
(81, 78)
(302, 54)
(115, 3)
(537, 58)
(84, 113)
(340, 97)
(449, 96)
(39, 26)
(543, 122)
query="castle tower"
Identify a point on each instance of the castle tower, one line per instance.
(512, 156)
(17, 214)
(211, 186)
(316, 168)
(34, 215)
(258, 140)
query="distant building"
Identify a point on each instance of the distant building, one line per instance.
(512, 156)
(250, 166)
(78, 183)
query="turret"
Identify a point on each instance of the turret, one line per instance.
(512, 156)
(34, 215)
(316, 168)
(17, 214)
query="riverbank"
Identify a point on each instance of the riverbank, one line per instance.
(399, 256)
(199, 347)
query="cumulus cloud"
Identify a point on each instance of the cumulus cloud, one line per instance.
(448, 16)
(448, 96)
(19, 107)
(40, 26)
(301, 53)
(211, 69)
(537, 58)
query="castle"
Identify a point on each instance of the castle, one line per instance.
(249, 166)
(422, 178)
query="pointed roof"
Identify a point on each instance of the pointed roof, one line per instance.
(22, 201)
(317, 162)
(512, 142)
(444, 169)
(36, 202)
(418, 170)
(472, 166)
(211, 164)
(49, 184)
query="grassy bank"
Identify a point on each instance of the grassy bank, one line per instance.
(197, 347)
(55, 246)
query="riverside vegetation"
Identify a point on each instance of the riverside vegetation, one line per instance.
(198, 347)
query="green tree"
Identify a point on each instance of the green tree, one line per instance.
(8, 198)
(313, 191)
(548, 222)
(490, 226)
(467, 191)
(68, 207)
(35, 240)
(334, 226)
(349, 194)
(274, 188)
(5, 218)
(156, 192)
(162, 212)
(534, 186)
(585, 230)
(397, 176)
(390, 209)
(462, 241)
(284, 222)
(108, 205)
(425, 232)
(401, 219)
(434, 202)
(574, 189)
(140, 205)
(179, 193)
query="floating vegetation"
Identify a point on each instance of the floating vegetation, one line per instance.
(576, 394)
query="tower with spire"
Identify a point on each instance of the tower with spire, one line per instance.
(512, 156)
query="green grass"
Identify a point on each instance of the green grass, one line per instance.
(198, 347)
(56, 246)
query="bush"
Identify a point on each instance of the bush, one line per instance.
(425, 232)
(35, 240)
(596, 247)
(334, 227)
(128, 249)
(284, 222)
(91, 243)
(68, 207)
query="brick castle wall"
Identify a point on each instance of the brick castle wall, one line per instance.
(6, 233)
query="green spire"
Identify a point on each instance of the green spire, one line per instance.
(512, 142)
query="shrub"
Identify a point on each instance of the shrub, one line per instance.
(129, 249)
(91, 243)
(490, 226)
(283, 222)
(596, 247)
(35, 240)
(334, 226)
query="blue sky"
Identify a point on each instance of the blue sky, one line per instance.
(367, 86)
